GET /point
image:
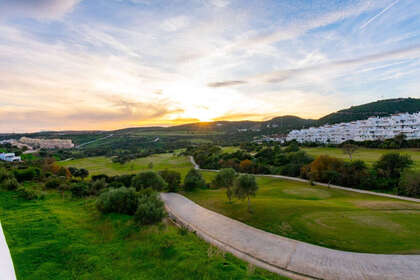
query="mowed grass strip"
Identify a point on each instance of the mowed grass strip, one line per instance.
(365, 154)
(328, 217)
(61, 239)
(104, 165)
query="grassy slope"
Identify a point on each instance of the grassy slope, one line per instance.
(98, 165)
(68, 239)
(327, 217)
(367, 155)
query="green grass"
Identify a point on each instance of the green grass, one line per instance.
(327, 217)
(230, 149)
(365, 154)
(60, 238)
(104, 165)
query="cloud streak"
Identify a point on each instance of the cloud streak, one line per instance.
(379, 14)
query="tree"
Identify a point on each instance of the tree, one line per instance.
(391, 166)
(150, 166)
(193, 180)
(410, 184)
(172, 178)
(83, 173)
(246, 166)
(225, 179)
(350, 149)
(150, 209)
(245, 187)
(148, 179)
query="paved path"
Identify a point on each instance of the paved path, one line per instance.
(196, 166)
(7, 271)
(288, 257)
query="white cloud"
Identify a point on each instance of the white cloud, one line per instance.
(40, 9)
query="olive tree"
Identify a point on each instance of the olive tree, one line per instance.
(245, 187)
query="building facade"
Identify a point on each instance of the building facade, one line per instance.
(10, 157)
(374, 128)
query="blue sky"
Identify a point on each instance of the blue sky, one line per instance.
(106, 64)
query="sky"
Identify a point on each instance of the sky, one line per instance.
(109, 64)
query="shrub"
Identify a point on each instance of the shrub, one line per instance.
(52, 183)
(149, 179)
(123, 200)
(10, 184)
(96, 187)
(193, 180)
(28, 194)
(27, 174)
(150, 209)
(172, 178)
(79, 190)
(4, 174)
(410, 184)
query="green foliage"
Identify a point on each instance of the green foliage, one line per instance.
(150, 209)
(193, 180)
(27, 174)
(245, 187)
(410, 184)
(225, 179)
(123, 200)
(149, 179)
(4, 174)
(79, 190)
(29, 194)
(10, 184)
(172, 178)
(53, 183)
(390, 167)
(97, 186)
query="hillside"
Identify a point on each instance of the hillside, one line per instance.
(379, 108)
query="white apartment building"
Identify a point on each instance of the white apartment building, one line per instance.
(374, 128)
(10, 157)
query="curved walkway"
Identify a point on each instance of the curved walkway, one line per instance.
(196, 166)
(295, 259)
(7, 271)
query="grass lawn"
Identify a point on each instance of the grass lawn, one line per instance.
(365, 154)
(327, 217)
(230, 149)
(61, 238)
(104, 165)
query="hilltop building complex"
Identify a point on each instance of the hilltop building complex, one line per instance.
(374, 128)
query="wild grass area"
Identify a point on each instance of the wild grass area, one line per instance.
(319, 215)
(366, 154)
(104, 165)
(62, 238)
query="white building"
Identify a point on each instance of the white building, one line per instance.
(10, 157)
(374, 128)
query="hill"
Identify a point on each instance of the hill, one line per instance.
(379, 108)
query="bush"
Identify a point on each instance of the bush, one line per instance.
(4, 174)
(10, 184)
(52, 183)
(410, 184)
(150, 209)
(27, 174)
(29, 194)
(96, 187)
(149, 179)
(123, 200)
(79, 190)
(193, 180)
(172, 178)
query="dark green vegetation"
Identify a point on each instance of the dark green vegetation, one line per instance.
(324, 216)
(62, 238)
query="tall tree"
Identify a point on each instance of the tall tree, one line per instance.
(350, 149)
(245, 187)
(225, 179)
